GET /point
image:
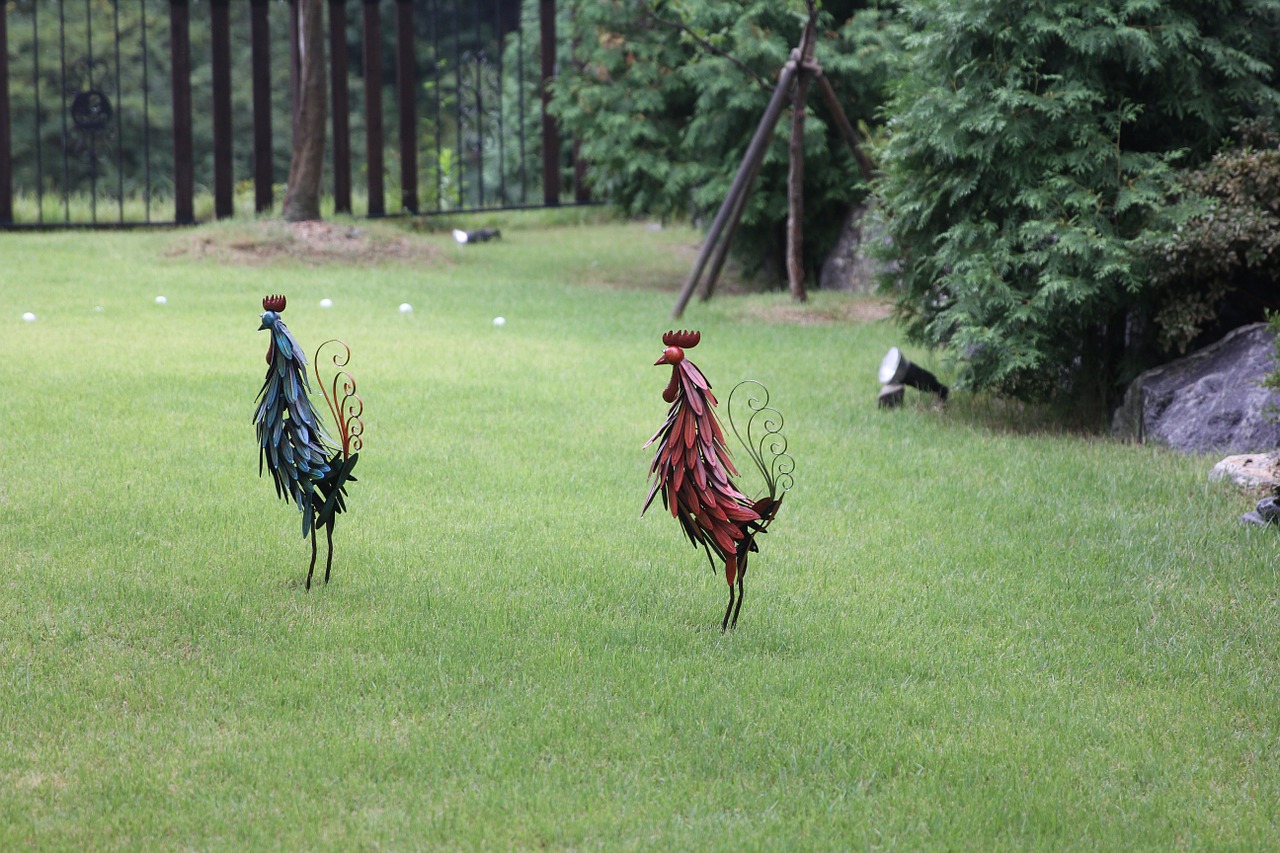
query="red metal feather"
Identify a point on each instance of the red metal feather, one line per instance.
(691, 467)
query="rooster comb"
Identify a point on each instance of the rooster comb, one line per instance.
(273, 303)
(683, 339)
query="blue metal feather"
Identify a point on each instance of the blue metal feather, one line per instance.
(291, 439)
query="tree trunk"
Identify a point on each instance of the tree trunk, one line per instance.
(795, 192)
(302, 199)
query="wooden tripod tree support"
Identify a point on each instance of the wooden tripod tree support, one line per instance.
(793, 80)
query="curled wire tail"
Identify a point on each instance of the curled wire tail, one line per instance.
(344, 403)
(761, 435)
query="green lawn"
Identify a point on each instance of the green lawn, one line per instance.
(961, 632)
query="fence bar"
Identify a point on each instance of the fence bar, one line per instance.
(220, 41)
(146, 114)
(437, 176)
(115, 25)
(406, 86)
(263, 158)
(62, 84)
(372, 57)
(295, 74)
(480, 63)
(459, 141)
(550, 131)
(183, 161)
(93, 137)
(524, 183)
(502, 140)
(6, 148)
(341, 106)
(35, 77)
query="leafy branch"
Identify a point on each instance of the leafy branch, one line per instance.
(681, 27)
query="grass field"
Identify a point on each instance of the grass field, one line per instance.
(963, 631)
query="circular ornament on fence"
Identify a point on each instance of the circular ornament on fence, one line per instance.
(91, 111)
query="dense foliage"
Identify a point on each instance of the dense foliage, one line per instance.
(1033, 155)
(665, 96)
(1221, 268)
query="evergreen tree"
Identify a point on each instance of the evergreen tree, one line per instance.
(1032, 156)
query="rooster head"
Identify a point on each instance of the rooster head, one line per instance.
(271, 308)
(677, 343)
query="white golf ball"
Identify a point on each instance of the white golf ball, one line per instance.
(160, 300)
(29, 317)
(98, 309)
(326, 303)
(499, 321)
(405, 308)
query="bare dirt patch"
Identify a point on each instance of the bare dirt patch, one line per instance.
(310, 243)
(855, 309)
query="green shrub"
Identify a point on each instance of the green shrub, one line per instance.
(1031, 157)
(1220, 267)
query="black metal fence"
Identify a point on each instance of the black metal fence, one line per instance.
(136, 112)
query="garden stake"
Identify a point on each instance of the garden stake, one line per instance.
(693, 472)
(304, 461)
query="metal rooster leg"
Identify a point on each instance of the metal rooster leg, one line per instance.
(307, 466)
(693, 472)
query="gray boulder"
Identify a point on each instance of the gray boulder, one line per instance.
(1210, 400)
(848, 265)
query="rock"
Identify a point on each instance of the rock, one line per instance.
(1267, 512)
(1250, 470)
(1210, 400)
(848, 266)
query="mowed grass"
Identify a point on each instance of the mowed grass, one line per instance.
(959, 633)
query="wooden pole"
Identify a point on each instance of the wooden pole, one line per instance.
(341, 103)
(865, 165)
(220, 44)
(180, 59)
(741, 181)
(795, 169)
(722, 249)
(372, 58)
(263, 165)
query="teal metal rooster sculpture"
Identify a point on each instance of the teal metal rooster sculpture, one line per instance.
(307, 465)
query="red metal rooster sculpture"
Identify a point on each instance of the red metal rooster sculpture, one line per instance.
(693, 472)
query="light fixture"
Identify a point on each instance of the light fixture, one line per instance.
(896, 370)
(480, 236)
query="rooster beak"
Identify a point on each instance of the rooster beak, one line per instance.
(662, 359)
